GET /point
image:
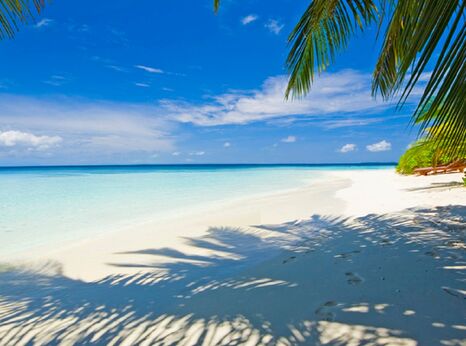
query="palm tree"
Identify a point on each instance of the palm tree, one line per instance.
(15, 12)
(415, 31)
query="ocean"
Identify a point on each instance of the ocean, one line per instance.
(48, 205)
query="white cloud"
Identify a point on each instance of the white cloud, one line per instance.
(380, 146)
(92, 129)
(108, 63)
(116, 68)
(142, 85)
(149, 69)
(176, 153)
(338, 94)
(289, 139)
(248, 19)
(17, 138)
(197, 153)
(274, 26)
(43, 23)
(56, 80)
(347, 148)
(227, 144)
(338, 123)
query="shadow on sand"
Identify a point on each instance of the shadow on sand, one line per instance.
(444, 186)
(292, 296)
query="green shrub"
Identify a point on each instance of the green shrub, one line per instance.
(421, 154)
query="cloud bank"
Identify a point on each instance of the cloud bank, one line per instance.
(342, 93)
(94, 131)
(28, 140)
(84, 129)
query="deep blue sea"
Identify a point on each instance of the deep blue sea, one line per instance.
(46, 205)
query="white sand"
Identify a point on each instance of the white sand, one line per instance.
(385, 191)
(380, 262)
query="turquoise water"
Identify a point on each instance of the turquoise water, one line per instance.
(46, 205)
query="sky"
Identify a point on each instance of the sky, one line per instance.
(168, 81)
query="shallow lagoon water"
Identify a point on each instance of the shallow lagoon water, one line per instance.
(47, 205)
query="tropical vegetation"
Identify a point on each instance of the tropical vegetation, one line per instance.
(428, 152)
(422, 153)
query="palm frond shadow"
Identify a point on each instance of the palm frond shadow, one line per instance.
(439, 186)
(216, 300)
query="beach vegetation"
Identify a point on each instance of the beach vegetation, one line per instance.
(423, 153)
(428, 152)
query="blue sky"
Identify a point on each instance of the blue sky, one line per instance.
(170, 82)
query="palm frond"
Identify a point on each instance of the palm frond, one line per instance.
(216, 5)
(323, 30)
(15, 12)
(415, 32)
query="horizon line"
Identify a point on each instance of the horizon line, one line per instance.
(375, 163)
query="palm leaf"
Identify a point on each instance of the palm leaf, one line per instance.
(324, 29)
(216, 5)
(15, 12)
(415, 33)
(416, 30)
(442, 135)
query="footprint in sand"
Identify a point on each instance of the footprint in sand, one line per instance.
(289, 259)
(347, 255)
(324, 312)
(353, 278)
(432, 253)
(386, 242)
(455, 292)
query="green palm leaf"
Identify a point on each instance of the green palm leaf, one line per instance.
(216, 5)
(324, 29)
(15, 12)
(416, 31)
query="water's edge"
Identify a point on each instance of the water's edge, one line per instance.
(44, 205)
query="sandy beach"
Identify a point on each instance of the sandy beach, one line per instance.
(363, 257)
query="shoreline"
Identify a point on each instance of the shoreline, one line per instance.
(167, 216)
(238, 212)
(339, 193)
